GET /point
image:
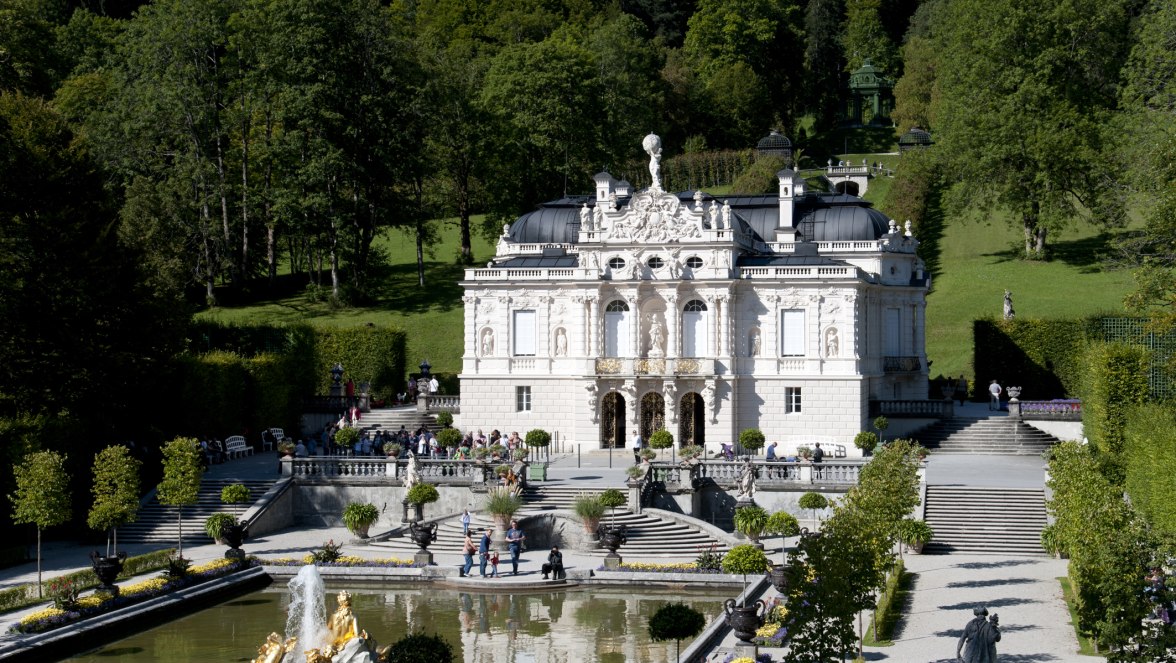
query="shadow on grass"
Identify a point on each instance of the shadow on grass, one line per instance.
(1087, 254)
(931, 231)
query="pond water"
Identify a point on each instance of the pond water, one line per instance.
(606, 625)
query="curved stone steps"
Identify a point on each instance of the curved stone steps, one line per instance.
(156, 523)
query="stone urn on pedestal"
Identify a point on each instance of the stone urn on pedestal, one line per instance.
(744, 620)
(107, 569)
(234, 535)
(612, 538)
(423, 535)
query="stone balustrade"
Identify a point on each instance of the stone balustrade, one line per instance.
(440, 472)
(769, 474)
(916, 409)
(434, 403)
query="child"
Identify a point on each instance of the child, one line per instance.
(494, 564)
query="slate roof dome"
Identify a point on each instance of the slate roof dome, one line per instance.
(916, 138)
(556, 222)
(840, 218)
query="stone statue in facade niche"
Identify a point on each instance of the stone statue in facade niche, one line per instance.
(832, 343)
(591, 389)
(708, 397)
(488, 343)
(561, 343)
(585, 219)
(657, 338)
(753, 344)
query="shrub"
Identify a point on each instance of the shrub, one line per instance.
(423, 493)
(752, 439)
(866, 441)
(347, 436)
(236, 493)
(449, 438)
(813, 501)
(914, 532)
(750, 521)
(329, 553)
(589, 506)
(745, 559)
(691, 451)
(537, 438)
(709, 560)
(358, 516)
(215, 524)
(420, 648)
(675, 621)
(661, 439)
(1151, 465)
(445, 419)
(502, 502)
(647, 454)
(612, 498)
(635, 471)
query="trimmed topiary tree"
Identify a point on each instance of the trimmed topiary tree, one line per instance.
(237, 493)
(181, 480)
(752, 439)
(449, 438)
(661, 439)
(745, 559)
(611, 499)
(675, 621)
(42, 496)
(445, 419)
(813, 501)
(866, 441)
(116, 493)
(422, 494)
(347, 437)
(784, 524)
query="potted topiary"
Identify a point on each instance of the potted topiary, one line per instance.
(392, 450)
(805, 452)
(449, 438)
(286, 449)
(215, 525)
(752, 439)
(866, 441)
(502, 504)
(648, 454)
(674, 621)
(744, 619)
(637, 472)
(691, 453)
(345, 438)
(358, 517)
(784, 524)
(915, 534)
(537, 438)
(236, 493)
(661, 439)
(115, 503)
(812, 502)
(420, 495)
(590, 508)
(611, 499)
(445, 419)
(881, 423)
(750, 522)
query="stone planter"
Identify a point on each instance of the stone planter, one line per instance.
(423, 535)
(780, 577)
(744, 620)
(360, 532)
(107, 570)
(234, 536)
(915, 547)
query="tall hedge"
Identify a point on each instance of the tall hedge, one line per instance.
(1043, 357)
(1115, 379)
(1151, 465)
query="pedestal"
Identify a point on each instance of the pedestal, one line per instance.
(423, 558)
(612, 562)
(1014, 408)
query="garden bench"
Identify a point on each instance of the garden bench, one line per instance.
(267, 444)
(235, 447)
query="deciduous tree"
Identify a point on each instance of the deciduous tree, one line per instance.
(182, 472)
(42, 495)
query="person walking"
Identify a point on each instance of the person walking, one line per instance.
(467, 550)
(465, 522)
(637, 448)
(961, 389)
(994, 390)
(514, 541)
(484, 552)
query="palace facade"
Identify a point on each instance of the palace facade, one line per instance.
(605, 315)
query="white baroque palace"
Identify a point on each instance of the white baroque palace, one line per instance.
(603, 316)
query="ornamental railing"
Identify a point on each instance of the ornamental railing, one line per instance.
(901, 364)
(912, 409)
(1061, 409)
(390, 470)
(780, 475)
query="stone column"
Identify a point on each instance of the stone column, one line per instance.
(724, 316)
(635, 328)
(674, 323)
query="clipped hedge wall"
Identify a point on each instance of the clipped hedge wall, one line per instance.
(1043, 357)
(1115, 379)
(1151, 464)
(256, 376)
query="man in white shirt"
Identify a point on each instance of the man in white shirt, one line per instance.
(994, 389)
(637, 444)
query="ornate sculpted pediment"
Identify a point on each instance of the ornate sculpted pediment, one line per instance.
(654, 217)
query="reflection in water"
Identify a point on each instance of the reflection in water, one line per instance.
(596, 625)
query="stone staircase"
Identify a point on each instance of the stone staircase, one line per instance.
(392, 418)
(157, 523)
(647, 536)
(985, 520)
(995, 435)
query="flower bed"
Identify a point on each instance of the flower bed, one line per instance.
(773, 633)
(130, 594)
(1058, 406)
(674, 567)
(345, 561)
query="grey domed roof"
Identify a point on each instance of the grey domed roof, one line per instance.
(916, 137)
(556, 222)
(773, 141)
(840, 218)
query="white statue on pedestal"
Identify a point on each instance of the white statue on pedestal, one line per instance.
(653, 147)
(657, 338)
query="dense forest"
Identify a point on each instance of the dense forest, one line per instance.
(155, 154)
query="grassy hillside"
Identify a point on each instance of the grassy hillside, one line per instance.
(973, 263)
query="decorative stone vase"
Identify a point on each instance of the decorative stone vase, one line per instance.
(107, 570)
(612, 538)
(423, 535)
(592, 526)
(361, 532)
(744, 620)
(915, 547)
(780, 577)
(234, 536)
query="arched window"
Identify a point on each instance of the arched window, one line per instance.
(656, 263)
(694, 329)
(616, 263)
(694, 262)
(616, 329)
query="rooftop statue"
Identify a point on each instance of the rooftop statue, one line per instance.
(653, 147)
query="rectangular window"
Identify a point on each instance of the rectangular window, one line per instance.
(792, 333)
(792, 400)
(892, 335)
(524, 333)
(522, 399)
